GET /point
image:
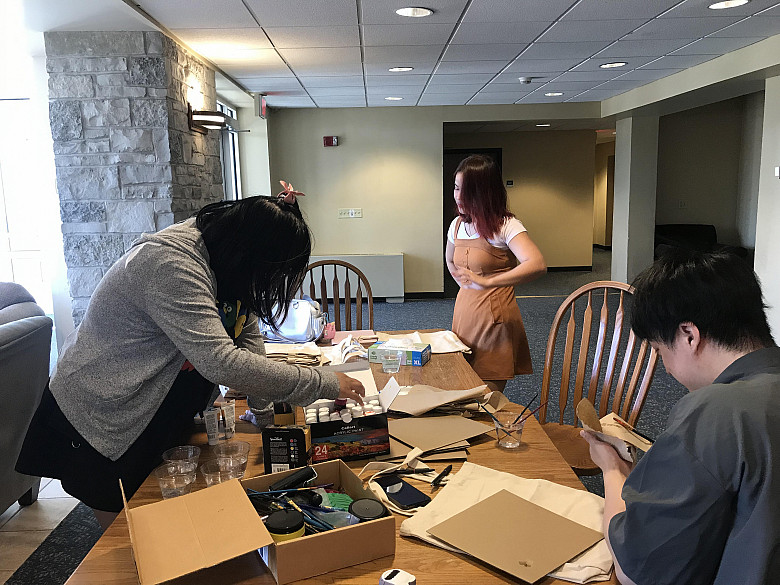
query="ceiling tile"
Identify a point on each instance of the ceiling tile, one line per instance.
(620, 85)
(324, 61)
(494, 98)
(220, 41)
(382, 68)
(569, 86)
(595, 75)
(505, 52)
(333, 81)
(498, 32)
(595, 95)
(444, 79)
(631, 63)
(698, 9)
(378, 101)
(678, 61)
(624, 9)
(401, 55)
(302, 12)
(340, 102)
(649, 74)
(589, 30)
(755, 26)
(536, 78)
(416, 33)
(453, 67)
(383, 11)
(512, 87)
(681, 28)
(396, 80)
(581, 50)
(403, 91)
(514, 11)
(253, 62)
(539, 97)
(523, 65)
(451, 88)
(294, 37)
(314, 92)
(716, 45)
(194, 13)
(262, 84)
(646, 48)
(289, 102)
(442, 99)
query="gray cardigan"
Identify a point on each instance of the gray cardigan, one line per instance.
(155, 308)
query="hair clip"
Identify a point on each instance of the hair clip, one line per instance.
(289, 194)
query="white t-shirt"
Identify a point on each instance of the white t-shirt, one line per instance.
(509, 229)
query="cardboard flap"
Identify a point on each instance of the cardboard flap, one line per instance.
(178, 536)
(389, 393)
(420, 398)
(433, 432)
(516, 536)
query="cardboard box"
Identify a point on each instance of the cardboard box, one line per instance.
(321, 553)
(175, 537)
(286, 447)
(418, 355)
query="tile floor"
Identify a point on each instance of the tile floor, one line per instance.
(23, 529)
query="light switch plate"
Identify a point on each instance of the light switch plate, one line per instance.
(350, 212)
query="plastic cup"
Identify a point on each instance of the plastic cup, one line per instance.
(223, 469)
(182, 453)
(238, 449)
(391, 361)
(515, 430)
(175, 478)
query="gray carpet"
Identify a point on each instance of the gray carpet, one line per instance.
(62, 551)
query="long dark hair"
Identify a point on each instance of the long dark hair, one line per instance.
(259, 250)
(482, 194)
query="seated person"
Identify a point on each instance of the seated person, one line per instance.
(703, 504)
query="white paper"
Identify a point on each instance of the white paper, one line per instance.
(388, 393)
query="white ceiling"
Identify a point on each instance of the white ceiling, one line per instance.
(336, 53)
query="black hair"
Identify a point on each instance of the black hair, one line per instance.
(259, 250)
(717, 292)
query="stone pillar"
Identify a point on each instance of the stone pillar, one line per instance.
(633, 227)
(767, 234)
(125, 158)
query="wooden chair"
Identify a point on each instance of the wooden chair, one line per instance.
(340, 290)
(634, 377)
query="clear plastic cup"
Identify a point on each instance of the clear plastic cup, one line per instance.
(175, 478)
(223, 469)
(391, 361)
(189, 453)
(238, 449)
(514, 430)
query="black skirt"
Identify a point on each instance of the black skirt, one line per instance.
(53, 448)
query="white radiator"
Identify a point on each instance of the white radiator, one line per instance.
(385, 273)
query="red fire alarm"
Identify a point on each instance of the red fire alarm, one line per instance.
(330, 140)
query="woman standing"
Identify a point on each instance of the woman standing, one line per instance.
(177, 314)
(488, 253)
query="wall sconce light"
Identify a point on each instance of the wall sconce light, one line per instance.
(204, 120)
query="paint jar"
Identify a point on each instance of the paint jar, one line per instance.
(365, 509)
(211, 416)
(284, 525)
(229, 414)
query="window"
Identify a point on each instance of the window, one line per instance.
(231, 173)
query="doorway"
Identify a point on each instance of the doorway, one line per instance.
(452, 158)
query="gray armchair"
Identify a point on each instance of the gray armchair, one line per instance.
(25, 346)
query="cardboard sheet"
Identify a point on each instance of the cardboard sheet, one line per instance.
(421, 398)
(516, 536)
(430, 433)
(609, 431)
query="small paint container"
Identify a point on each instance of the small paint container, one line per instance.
(334, 416)
(285, 525)
(366, 509)
(229, 414)
(357, 411)
(211, 417)
(346, 416)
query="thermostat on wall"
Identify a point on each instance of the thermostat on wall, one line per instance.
(330, 140)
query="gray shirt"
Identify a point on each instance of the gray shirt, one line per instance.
(155, 308)
(703, 505)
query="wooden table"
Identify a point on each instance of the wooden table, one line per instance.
(110, 561)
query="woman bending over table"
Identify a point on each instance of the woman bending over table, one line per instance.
(177, 314)
(488, 253)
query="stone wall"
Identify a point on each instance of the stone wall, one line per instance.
(125, 158)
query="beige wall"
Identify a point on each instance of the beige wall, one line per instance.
(553, 187)
(603, 195)
(699, 153)
(253, 157)
(749, 169)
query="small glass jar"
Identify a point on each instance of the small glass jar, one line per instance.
(285, 525)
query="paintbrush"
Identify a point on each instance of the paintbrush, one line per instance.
(498, 422)
(628, 427)
(522, 412)
(533, 412)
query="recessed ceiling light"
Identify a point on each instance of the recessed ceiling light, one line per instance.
(553, 93)
(542, 125)
(611, 65)
(414, 12)
(394, 99)
(728, 4)
(400, 69)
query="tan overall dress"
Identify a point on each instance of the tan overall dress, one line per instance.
(489, 320)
